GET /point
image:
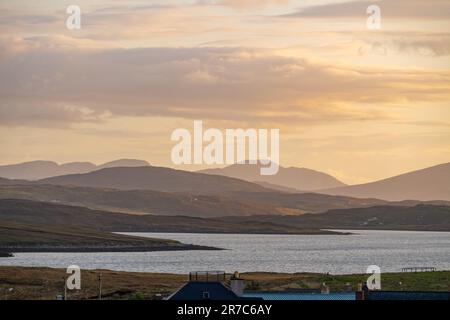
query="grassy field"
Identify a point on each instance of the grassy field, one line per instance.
(420, 281)
(46, 283)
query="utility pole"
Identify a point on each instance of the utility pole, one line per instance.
(100, 286)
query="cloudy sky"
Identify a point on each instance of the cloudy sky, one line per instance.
(359, 104)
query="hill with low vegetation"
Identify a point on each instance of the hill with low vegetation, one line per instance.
(156, 179)
(19, 237)
(56, 215)
(422, 217)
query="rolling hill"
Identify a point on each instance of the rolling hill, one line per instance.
(136, 201)
(186, 204)
(422, 217)
(155, 178)
(35, 170)
(50, 215)
(300, 203)
(300, 179)
(276, 187)
(17, 237)
(427, 184)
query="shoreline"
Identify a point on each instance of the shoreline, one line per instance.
(4, 254)
(306, 232)
(93, 249)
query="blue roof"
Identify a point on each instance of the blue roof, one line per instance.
(407, 295)
(290, 296)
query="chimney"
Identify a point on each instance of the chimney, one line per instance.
(237, 285)
(324, 289)
(359, 292)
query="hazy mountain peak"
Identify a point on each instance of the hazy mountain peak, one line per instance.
(124, 163)
(301, 179)
(34, 162)
(41, 169)
(426, 184)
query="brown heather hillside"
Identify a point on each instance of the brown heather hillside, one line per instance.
(13, 233)
(17, 237)
(421, 217)
(165, 203)
(155, 178)
(300, 203)
(136, 201)
(55, 215)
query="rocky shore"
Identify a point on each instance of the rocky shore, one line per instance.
(102, 248)
(6, 255)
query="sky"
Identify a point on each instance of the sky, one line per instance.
(357, 103)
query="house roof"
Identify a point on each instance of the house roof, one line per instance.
(195, 290)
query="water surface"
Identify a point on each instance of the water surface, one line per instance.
(336, 254)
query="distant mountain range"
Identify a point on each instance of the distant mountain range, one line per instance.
(422, 185)
(35, 170)
(427, 184)
(287, 180)
(77, 211)
(298, 179)
(234, 203)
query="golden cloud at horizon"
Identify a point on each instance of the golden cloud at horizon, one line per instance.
(310, 68)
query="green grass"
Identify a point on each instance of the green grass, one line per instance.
(46, 283)
(420, 281)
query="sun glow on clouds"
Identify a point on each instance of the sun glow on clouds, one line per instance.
(350, 101)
